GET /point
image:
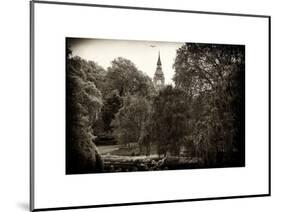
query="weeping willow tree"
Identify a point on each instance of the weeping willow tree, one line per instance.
(212, 77)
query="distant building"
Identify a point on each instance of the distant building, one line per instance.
(159, 79)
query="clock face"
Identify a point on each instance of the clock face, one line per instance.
(158, 82)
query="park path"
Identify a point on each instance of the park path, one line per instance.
(103, 150)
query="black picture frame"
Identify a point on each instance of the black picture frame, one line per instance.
(32, 56)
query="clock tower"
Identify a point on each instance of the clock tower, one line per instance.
(159, 79)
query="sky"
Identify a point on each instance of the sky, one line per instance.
(143, 54)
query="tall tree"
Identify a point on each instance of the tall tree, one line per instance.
(169, 120)
(212, 77)
(122, 79)
(83, 103)
(131, 120)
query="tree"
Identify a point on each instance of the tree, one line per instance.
(212, 77)
(83, 103)
(169, 120)
(131, 120)
(112, 103)
(89, 71)
(124, 77)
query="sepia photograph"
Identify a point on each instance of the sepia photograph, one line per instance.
(153, 105)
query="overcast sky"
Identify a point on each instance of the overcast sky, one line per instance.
(143, 54)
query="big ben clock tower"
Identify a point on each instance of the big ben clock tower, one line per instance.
(159, 79)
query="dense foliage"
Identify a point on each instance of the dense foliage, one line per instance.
(169, 120)
(84, 102)
(212, 77)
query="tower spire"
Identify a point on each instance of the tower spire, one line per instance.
(159, 60)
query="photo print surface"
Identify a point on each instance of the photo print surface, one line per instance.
(147, 105)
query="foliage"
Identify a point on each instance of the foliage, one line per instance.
(124, 77)
(83, 105)
(112, 103)
(131, 120)
(169, 120)
(122, 80)
(212, 77)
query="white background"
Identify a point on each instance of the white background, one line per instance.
(14, 107)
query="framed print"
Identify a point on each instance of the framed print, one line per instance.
(134, 105)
